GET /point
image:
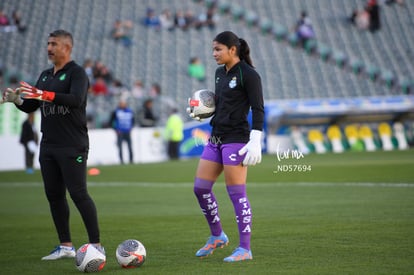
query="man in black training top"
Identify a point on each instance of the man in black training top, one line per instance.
(61, 94)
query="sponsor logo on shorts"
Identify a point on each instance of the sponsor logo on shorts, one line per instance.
(233, 157)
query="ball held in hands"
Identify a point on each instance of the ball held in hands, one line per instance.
(201, 104)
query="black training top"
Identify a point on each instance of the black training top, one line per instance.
(64, 119)
(236, 91)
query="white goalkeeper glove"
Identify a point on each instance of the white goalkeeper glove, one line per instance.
(11, 95)
(32, 146)
(190, 111)
(253, 149)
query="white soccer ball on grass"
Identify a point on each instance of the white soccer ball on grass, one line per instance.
(89, 259)
(131, 253)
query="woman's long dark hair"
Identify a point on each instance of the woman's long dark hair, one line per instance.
(230, 39)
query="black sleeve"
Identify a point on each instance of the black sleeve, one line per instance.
(29, 105)
(78, 88)
(253, 86)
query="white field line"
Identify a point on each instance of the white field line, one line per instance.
(250, 184)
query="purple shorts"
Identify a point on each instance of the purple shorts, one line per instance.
(226, 154)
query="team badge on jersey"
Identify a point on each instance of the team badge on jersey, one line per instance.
(233, 82)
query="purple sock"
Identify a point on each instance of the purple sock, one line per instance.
(203, 191)
(243, 213)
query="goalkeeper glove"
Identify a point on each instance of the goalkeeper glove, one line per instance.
(32, 146)
(190, 111)
(30, 92)
(253, 149)
(11, 95)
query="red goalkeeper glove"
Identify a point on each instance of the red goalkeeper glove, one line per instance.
(30, 92)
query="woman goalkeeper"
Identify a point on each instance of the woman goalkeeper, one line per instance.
(233, 144)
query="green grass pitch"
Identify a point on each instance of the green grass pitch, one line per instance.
(350, 213)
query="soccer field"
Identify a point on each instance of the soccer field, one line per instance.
(350, 213)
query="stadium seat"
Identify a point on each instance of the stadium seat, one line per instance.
(339, 58)
(251, 18)
(300, 77)
(385, 134)
(310, 46)
(367, 136)
(372, 72)
(223, 7)
(356, 66)
(209, 3)
(279, 32)
(399, 133)
(316, 138)
(335, 137)
(405, 85)
(265, 25)
(293, 39)
(388, 78)
(323, 51)
(298, 140)
(237, 12)
(351, 133)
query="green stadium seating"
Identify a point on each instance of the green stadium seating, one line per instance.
(356, 66)
(162, 57)
(237, 12)
(324, 51)
(372, 72)
(310, 46)
(223, 7)
(388, 78)
(209, 3)
(279, 32)
(293, 39)
(251, 18)
(405, 85)
(265, 25)
(339, 58)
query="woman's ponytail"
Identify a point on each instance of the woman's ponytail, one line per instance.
(244, 52)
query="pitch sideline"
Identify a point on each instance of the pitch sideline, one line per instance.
(250, 184)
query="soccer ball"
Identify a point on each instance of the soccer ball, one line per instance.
(131, 253)
(89, 259)
(202, 103)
